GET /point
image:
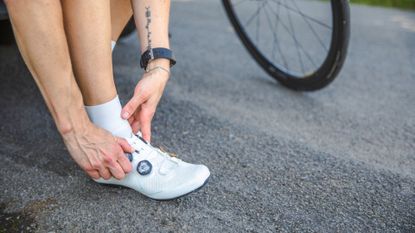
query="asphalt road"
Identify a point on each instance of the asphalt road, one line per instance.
(337, 160)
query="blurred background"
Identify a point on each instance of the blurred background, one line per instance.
(405, 4)
(340, 159)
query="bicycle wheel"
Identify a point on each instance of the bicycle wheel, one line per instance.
(300, 43)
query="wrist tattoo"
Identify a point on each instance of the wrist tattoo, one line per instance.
(148, 17)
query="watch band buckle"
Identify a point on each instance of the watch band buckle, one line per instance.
(151, 53)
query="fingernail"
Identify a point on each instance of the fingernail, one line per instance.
(125, 115)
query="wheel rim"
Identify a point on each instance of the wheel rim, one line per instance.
(295, 36)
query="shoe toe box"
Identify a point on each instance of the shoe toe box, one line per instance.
(192, 180)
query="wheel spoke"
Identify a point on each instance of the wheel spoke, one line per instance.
(258, 24)
(256, 13)
(295, 40)
(311, 27)
(302, 14)
(274, 35)
(239, 2)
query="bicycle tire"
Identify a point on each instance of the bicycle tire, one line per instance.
(328, 70)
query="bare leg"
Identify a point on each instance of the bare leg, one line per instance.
(42, 43)
(41, 39)
(88, 29)
(84, 20)
(121, 12)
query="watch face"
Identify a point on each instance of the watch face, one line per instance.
(145, 58)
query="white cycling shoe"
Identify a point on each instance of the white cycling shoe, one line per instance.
(159, 176)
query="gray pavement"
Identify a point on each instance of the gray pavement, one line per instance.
(338, 160)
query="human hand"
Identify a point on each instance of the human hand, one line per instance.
(98, 152)
(141, 108)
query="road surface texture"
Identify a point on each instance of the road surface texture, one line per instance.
(337, 160)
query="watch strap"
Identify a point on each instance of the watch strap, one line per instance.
(155, 53)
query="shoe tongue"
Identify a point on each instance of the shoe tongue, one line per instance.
(138, 143)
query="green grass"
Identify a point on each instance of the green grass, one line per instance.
(405, 4)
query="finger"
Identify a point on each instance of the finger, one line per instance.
(105, 173)
(125, 163)
(145, 122)
(125, 146)
(116, 170)
(132, 106)
(94, 174)
(135, 126)
(131, 120)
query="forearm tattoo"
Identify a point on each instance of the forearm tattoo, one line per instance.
(148, 17)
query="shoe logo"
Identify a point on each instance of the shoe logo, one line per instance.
(144, 167)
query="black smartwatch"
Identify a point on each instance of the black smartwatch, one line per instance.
(155, 53)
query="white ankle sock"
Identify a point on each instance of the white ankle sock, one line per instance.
(108, 116)
(113, 43)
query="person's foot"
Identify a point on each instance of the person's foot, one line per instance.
(159, 176)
